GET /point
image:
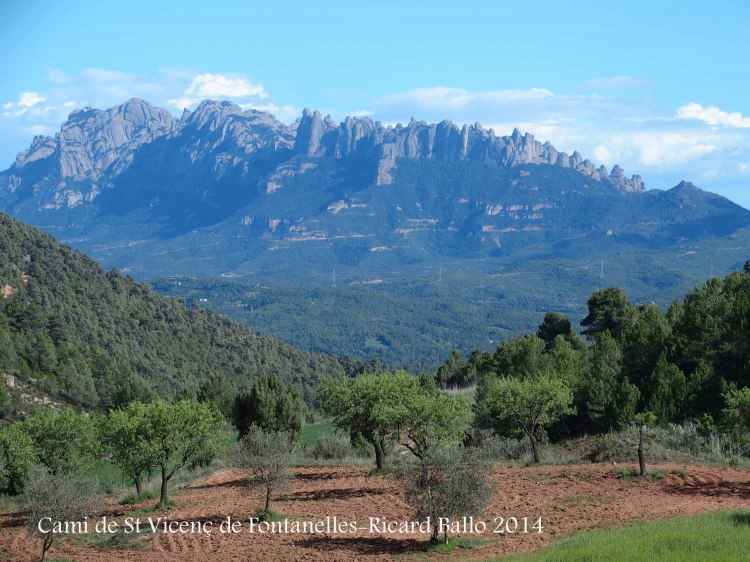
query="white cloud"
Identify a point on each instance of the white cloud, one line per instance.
(713, 115)
(617, 83)
(669, 148)
(26, 101)
(216, 86)
(454, 98)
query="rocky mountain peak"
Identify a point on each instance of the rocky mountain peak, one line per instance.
(92, 140)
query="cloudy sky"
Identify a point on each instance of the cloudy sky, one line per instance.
(664, 93)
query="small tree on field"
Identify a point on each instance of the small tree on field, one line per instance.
(63, 440)
(426, 420)
(268, 457)
(643, 420)
(270, 405)
(448, 483)
(391, 406)
(57, 498)
(123, 436)
(529, 404)
(179, 433)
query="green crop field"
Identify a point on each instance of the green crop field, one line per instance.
(714, 537)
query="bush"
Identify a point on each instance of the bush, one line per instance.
(331, 447)
(268, 457)
(58, 498)
(499, 448)
(447, 483)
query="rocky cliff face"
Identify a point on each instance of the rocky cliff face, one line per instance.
(439, 141)
(91, 144)
(221, 140)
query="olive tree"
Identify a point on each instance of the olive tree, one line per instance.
(52, 500)
(447, 483)
(268, 457)
(529, 403)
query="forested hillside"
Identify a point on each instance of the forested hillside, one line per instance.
(686, 363)
(76, 333)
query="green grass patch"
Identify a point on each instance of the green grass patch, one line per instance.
(311, 432)
(719, 537)
(134, 498)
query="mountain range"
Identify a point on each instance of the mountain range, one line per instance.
(235, 193)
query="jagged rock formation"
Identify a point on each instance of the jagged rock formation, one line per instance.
(220, 140)
(439, 141)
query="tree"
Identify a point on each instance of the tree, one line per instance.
(63, 440)
(644, 341)
(746, 269)
(736, 411)
(217, 390)
(268, 457)
(529, 403)
(605, 399)
(429, 420)
(553, 325)
(370, 405)
(522, 356)
(18, 457)
(665, 391)
(643, 420)
(57, 499)
(453, 371)
(609, 310)
(180, 433)
(448, 483)
(123, 435)
(131, 388)
(270, 405)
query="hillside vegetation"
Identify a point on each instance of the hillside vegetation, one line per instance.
(77, 333)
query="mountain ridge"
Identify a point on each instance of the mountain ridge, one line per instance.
(93, 144)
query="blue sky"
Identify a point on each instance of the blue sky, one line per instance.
(660, 88)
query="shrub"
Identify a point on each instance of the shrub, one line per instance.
(447, 483)
(57, 498)
(268, 458)
(331, 447)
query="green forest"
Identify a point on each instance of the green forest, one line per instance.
(78, 334)
(686, 363)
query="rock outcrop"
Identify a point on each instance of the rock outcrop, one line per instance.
(220, 140)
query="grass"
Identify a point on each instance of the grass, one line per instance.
(311, 432)
(134, 498)
(719, 537)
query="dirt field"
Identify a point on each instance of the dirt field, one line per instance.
(568, 499)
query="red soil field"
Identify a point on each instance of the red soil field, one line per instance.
(567, 498)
